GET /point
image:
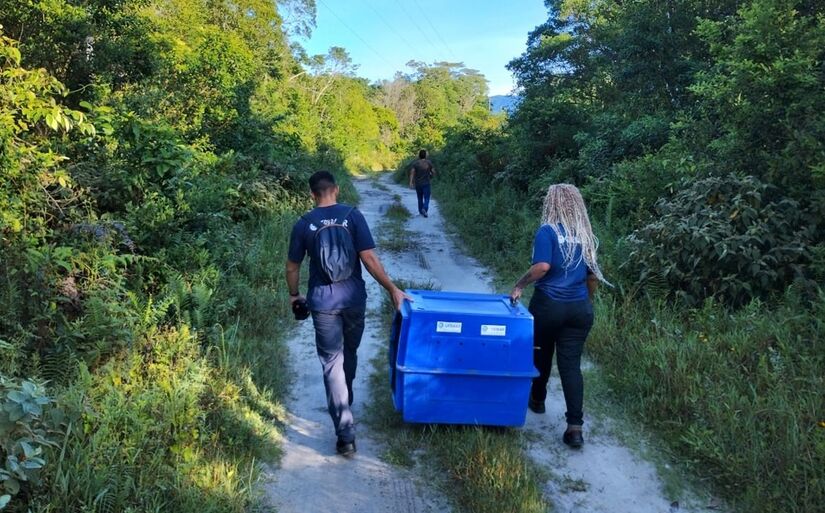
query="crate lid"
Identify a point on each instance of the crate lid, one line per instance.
(495, 305)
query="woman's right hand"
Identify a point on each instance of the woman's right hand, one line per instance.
(515, 295)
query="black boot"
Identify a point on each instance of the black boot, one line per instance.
(573, 438)
(536, 406)
(345, 448)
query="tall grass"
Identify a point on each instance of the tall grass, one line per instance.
(178, 421)
(737, 394)
(740, 394)
(484, 470)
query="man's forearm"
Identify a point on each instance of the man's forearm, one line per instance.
(377, 271)
(293, 277)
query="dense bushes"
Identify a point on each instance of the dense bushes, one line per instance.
(160, 429)
(634, 137)
(732, 238)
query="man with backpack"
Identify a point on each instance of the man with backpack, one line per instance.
(337, 239)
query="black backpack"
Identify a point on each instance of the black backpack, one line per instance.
(334, 250)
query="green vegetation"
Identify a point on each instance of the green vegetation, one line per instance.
(153, 156)
(695, 133)
(154, 153)
(485, 469)
(752, 410)
(432, 98)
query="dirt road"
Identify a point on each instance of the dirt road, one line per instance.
(603, 476)
(312, 477)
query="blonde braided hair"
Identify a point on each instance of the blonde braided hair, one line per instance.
(564, 208)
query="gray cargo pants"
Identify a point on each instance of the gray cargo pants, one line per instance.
(337, 337)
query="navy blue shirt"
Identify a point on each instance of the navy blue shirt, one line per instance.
(560, 283)
(349, 293)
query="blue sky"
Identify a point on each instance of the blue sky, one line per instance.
(381, 36)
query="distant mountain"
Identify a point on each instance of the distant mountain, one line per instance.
(507, 103)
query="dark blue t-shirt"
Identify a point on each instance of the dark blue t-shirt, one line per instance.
(560, 283)
(349, 293)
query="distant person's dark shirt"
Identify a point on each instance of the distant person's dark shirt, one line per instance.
(423, 171)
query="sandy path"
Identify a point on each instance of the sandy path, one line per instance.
(603, 476)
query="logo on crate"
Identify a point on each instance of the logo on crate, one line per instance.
(493, 330)
(448, 327)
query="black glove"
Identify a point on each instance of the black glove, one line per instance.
(300, 309)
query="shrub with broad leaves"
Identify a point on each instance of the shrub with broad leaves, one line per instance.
(734, 238)
(24, 434)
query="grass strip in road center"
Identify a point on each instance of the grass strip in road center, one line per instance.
(485, 469)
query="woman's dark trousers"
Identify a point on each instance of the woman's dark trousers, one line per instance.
(562, 328)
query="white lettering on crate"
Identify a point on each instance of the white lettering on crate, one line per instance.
(448, 327)
(493, 330)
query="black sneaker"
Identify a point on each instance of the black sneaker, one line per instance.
(424, 213)
(345, 448)
(536, 406)
(573, 438)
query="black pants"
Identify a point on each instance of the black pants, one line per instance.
(561, 328)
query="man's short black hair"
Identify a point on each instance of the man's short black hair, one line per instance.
(422, 154)
(321, 182)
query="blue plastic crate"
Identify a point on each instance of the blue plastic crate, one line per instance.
(461, 358)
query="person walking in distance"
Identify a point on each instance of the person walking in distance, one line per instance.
(338, 240)
(421, 173)
(566, 275)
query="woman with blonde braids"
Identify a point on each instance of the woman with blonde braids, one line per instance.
(566, 275)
